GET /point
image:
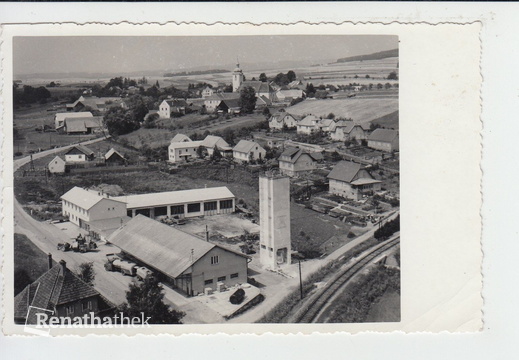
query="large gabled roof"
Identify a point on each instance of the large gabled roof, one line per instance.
(223, 96)
(309, 120)
(292, 154)
(180, 138)
(84, 198)
(82, 124)
(245, 146)
(345, 171)
(211, 141)
(112, 152)
(69, 115)
(57, 286)
(176, 102)
(383, 135)
(167, 249)
(82, 149)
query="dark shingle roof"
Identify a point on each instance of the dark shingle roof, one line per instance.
(82, 149)
(344, 171)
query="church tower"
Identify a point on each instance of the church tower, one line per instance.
(237, 78)
(275, 240)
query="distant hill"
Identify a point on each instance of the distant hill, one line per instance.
(196, 72)
(374, 56)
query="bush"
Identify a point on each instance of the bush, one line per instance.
(351, 235)
(238, 297)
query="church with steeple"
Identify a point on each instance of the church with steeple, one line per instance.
(237, 78)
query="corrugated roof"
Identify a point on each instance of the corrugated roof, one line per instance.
(344, 171)
(83, 198)
(383, 135)
(175, 197)
(244, 146)
(162, 247)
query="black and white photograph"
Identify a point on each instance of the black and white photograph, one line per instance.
(206, 179)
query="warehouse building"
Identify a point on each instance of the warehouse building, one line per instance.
(184, 203)
(184, 260)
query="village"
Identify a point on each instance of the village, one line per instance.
(236, 196)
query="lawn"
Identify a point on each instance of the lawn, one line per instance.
(29, 262)
(359, 109)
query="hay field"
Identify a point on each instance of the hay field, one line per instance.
(360, 110)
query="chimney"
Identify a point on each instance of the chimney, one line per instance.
(49, 256)
(206, 234)
(63, 264)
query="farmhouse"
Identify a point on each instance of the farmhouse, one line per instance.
(262, 101)
(207, 92)
(326, 125)
(261, 89)
(384, 139)
(282, 119)
(191, 263)
(169, 106)
(350, 180)
(308, 125)
(182, 151)
(184, 203)
(295, 162)
(349, 130)
(59, 292)
(88, 208)
(57, 165)
(246, 151)
(211, 102)
(81, 125)
(231, 106)
(289, 95)
(59, 118)
(212, 142)
(270, 141)
(114, 157)
(100, 104)
(79, 153)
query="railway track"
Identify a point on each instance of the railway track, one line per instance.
(312, 309)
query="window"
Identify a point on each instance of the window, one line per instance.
(86, 305)
(191, 208)
(208, 282)
(177, 209)
(226, 204)
(69, 309)
(234, 276)
(263, 247)
(214, 260)
(222, 278)
(213, 205)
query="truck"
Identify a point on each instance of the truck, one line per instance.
(142, 272)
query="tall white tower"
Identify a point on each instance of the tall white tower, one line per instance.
(275, 241)
(237, 78)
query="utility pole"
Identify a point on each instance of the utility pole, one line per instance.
(300, 280)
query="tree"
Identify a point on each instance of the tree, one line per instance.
(387, 86)
(119, 121)
(331, 116)
(217, 155)
(392, 76)
(148, 298)
(85, 271)
(367, 76)
(157, 85)
(291, 76)
(266, 112)
(247, 100)
(379, 86)
(263, 77)
(200, 152)
(310, 90)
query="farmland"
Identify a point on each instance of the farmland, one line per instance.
(358, 109)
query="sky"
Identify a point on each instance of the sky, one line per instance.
(110, 54)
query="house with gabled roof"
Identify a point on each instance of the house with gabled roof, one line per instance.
(295, 162)
(86, 207)
(57, 165)
(260, 88)
(169, 106)
(246, 151)
(212, 102)
(81, 125)
(59, 118)
(189, 262)
(59, 293)
(289, 95)
(211, 142)
(352, 181)
(308, 125)
(79, 153)
(114, 157)
(384, 139)
(349, 130)
(282, 119)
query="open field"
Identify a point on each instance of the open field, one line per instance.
(162, 137)
(360, 110)
(389, 121)
(29, 262)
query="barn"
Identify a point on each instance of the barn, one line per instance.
(187, 262)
